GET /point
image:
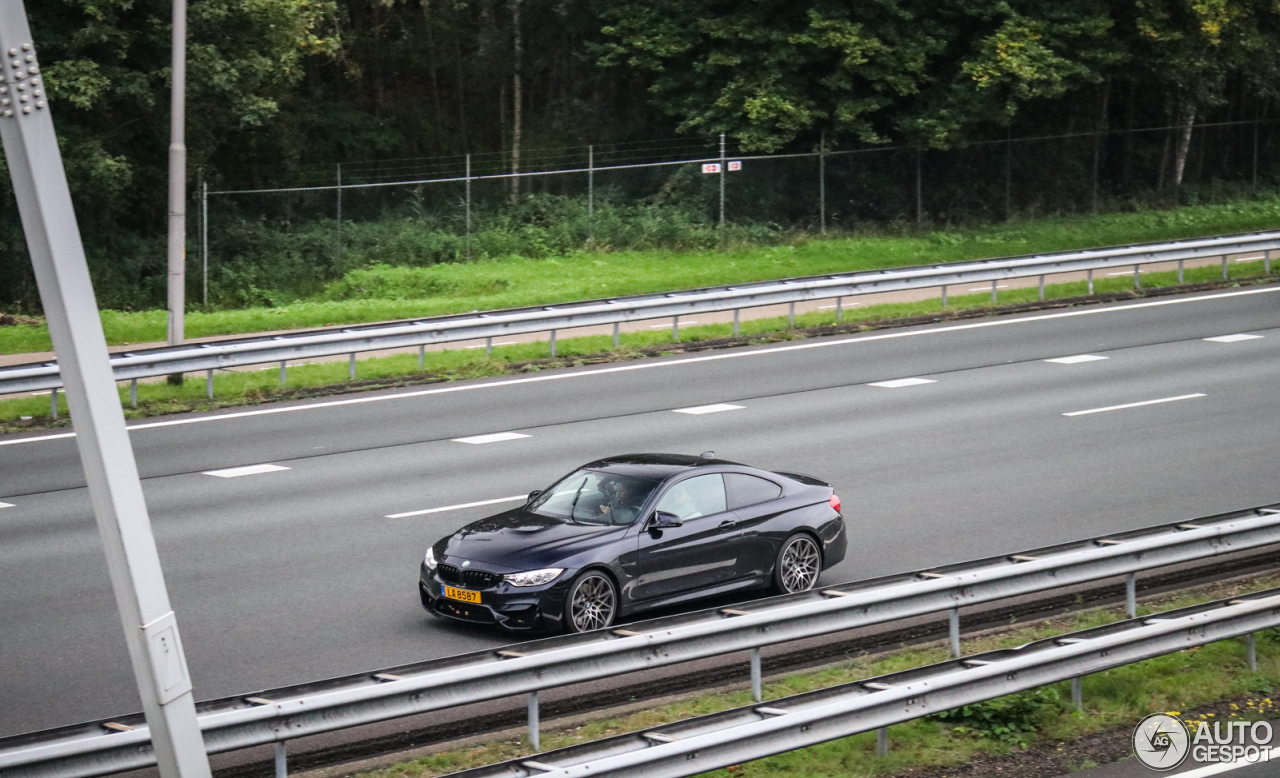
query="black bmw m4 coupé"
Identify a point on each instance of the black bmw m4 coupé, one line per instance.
(631, 533)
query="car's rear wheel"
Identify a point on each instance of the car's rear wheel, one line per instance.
(799, 563)
(592, 602)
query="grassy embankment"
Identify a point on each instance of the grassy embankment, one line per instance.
(399, 292)
(1177, 682)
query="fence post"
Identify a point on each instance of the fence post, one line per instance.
(339, 232)
(1097, 151)
(919, 195)
(282, 760)
(468, 206)
(1255, 154)
(591, 194)
(757, 686)
(204, 240)
(1008, 174)
(954, 628)
(822, 185)
(533, 721)
(723, 165)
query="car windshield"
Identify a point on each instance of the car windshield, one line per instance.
(590, 497)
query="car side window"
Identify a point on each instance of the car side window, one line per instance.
(747, 490)
(698, 496)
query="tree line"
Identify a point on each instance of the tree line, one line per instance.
(281, 90)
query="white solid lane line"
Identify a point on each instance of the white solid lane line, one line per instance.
(664, 364)
(7, 505)
(698, 410)
(503, 343)
(987, 288)
(1135, 405)
(668, 326)
(1077, 359)
(898, 383)
(458, 507)
(493, 437)
(1232, 338)
(236, 472)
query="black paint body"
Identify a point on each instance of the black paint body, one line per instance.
(714, 554)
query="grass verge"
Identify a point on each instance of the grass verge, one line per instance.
(384, 292)
(237, 388)
(1042, 719)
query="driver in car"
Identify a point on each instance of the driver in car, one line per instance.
(624, 502)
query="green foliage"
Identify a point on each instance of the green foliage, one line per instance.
(1011, 719)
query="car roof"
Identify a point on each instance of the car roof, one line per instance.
(654, 466)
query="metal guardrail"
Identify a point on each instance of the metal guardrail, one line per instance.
(706, 743)
(311, 344)
(283, 714)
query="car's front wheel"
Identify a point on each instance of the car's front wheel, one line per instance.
(798, 565)
(592, 602)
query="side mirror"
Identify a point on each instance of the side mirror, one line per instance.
(533, 496)
(664, 520)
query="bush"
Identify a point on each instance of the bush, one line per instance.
(1010, 719)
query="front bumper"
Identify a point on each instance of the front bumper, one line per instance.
(515, 608)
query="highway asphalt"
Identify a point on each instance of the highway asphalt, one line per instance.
(296, 574)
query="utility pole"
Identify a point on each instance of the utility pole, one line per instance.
(178, 181)
(66, 293)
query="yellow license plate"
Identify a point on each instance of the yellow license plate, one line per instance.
(461, 594)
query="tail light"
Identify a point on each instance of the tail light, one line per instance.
(835, 503)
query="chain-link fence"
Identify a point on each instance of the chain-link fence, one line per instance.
(698, 193)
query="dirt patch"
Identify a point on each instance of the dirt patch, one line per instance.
(12, 320)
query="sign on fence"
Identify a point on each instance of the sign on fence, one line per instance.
(711, 167)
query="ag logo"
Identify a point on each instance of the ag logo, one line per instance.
(1161, 741)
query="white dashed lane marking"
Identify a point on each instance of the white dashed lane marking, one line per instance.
(1077, 359)
(7, 505)
(458, 507)
(698, 410)
(1134, 405)
(493, 437)
(236, 472)
(899, 383)
(1232, 338)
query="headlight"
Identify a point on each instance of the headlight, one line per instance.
(533, 577)
(430, 560)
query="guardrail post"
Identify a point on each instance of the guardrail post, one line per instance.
(736, 313)
(1224, 267)
(488, 350)
(944, 295)
(1180, 272)
(994, 293)
(1251, 652)
(282, 760)
(882, 741)
(351, 366)
(533, 721)
(208, 383)
(53, 404)
(284, 372)
(839, 309)
(1137, 282)
(1077, 694)
(1266, 262)
(791, 316)
(616, 327)
(1131, 595)
(1090, 277)
(553, 343)
(1042, 288)
(422, 352)
(954, 619)
(675, 328)
(757, 688)
(133, 393)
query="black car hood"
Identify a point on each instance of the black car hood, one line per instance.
(521, 540)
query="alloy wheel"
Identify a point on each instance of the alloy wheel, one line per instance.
(592, 603)
(799, 564)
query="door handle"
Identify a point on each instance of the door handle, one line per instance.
(728, 523)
